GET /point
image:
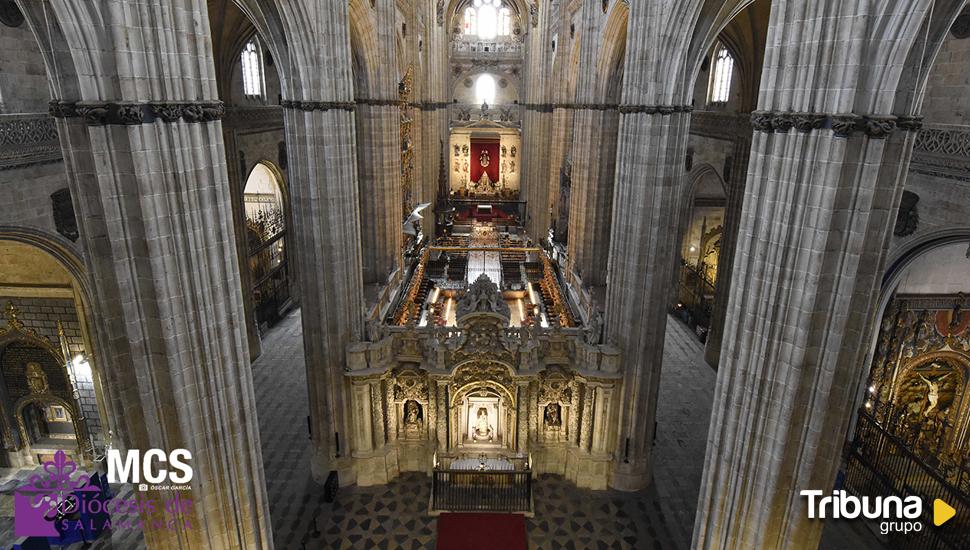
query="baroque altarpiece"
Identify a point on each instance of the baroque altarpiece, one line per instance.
(484, 388)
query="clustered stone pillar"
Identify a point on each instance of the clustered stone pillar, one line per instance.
(729, 240)
(649, 168)
(594, 141)
(522, 444)
(823, 183)
(310, 43)
(443, 411)
(145, 162)
(379, 148)
(536, 117)
(433, 95)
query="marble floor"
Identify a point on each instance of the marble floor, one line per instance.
(394, 516)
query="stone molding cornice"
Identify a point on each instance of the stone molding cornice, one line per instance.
(352, 105)
(318, 105)
(379, 102)
(26, 140)
(429, 105)
(623, 109)
(720, 124)
(269, 116)
(132, 113)
(842, 125)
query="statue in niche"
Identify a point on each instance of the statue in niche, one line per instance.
(553, 415)
(483, 430)
(457, 151)
(514, 150)
(412, 415)
(933, 392)
(504, 151)
(36, 378)
(484, 115)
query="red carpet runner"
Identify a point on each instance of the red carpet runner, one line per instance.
(481, 532)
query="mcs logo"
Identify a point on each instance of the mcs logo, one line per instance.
(149, 466)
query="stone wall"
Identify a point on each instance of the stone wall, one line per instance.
(947, 101)
(26, 192)
(23, 77)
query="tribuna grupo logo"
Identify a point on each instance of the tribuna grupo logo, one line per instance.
(897, 515)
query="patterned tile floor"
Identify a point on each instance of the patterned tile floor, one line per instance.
(394, 516)
(11, 478)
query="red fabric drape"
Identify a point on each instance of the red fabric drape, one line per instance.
(491, 147)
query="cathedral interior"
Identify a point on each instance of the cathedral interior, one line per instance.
(490, 273)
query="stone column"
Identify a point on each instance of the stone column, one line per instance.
(363, 417)
(392, 410)
(379, 147)
(729, 239)
(586, 422)
(594, 152)
(443, 414)
(825, 177)
(650, 167)
(601, 416)
(145, 161)
(310, 44)
(522, 444)
(573, 425)
(433, 93)
(377, 412)
(536, 119)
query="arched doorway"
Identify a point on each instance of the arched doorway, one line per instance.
(483, 409)
(913, 423)
(700, 249)
(50, 392)
(264, 197)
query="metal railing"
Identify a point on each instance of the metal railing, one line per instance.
(881, 464)
(696, 295)
(481, 491)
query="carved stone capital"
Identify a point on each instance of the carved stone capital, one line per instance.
(130, 114)
(166, 112)
(909, 123)
(761, 121)
(94, 114)
(782, 122)
(879, 127)
(844, 125)
(309, 106)
(213, 111)
(192, 112)
(806, 122)
(62, 109)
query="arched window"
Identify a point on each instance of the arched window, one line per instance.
(252, 70)
(487, 19)
(485, 89)
(504, 22)
(720, 89)
(470, 24)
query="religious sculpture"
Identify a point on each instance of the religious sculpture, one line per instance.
(553, 415)
(483, 429)
(482, 297)
(412, 415)
(36, 378)
(933, 392)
